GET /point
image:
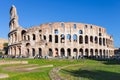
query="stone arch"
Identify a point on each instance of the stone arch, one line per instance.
(104, 41)
(50, 38)
(100, 52)
(86, 52)
(28, 52)
(56, 52)
(80, 39)
(91, 39)
(40, 52)
(96, 52)
(75, 52)
(34, 37)
(62, 38)
(81, 52)
(27, 44)
(44, 37)
(75, 38)
(62, 52)
(69, 37)
(104, 53)
(91, 52)
(56, 38)
(33, 52)
(86, 39)
(50, 52)
(96, 40)
(22, 34)
(56, 31)
(100, 41)
(80, 32)
(68, 52)
(28, 37)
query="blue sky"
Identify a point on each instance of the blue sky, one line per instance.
(105, 13)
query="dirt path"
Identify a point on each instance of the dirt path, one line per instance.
(3, 75)
(54, 72)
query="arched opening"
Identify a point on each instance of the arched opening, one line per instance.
(44, 37)
(86, 39)
(50, 38)
(19, 51)
(56, 38)
(56, 31)
(22, 34)
(15, 36)
(34, 37)
(33, 52)
(40, 37)
(75, 52)
(69, 37)
(68, 52)
(96, 40)
(28, 38)
(40, 52)
(96, 53)
(50, 52)
(91, 39)
(104, 41)
(86, 53)
(80, 39)
(100, 41)
(100, 53)
(75, 38)
(91, 52)
(28, 52)
(81, 52)
(62, 38)
(80, 32)
(27, 44)
(104, 53)
(56, 52)
(62, 52)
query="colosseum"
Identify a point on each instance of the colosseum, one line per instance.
(59, 39)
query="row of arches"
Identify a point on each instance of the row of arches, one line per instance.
(71, 52)
(81, 39)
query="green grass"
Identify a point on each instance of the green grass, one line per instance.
(92, 70)
(85, 70)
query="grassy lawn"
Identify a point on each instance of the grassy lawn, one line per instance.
(92, 70)
(85, 70)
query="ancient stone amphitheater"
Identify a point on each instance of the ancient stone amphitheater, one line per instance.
(59, 39)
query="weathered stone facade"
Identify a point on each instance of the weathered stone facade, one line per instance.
(63, 39)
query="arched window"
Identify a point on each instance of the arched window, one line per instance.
(80, 32)
(33, 52)
(62, 38)
(68, 52)
(50, 38)
(80, 39)
(56, 38)
(75, 37)
(34, 38)
(50, 52)
(69, 37)
(91, 39)
(62, 52)
(100, 41)
(96, 40)
(86, 39)
(28, 37)
(62, 25)
(104, 41)
(44, 37)
(56, 31)
(74, 26)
